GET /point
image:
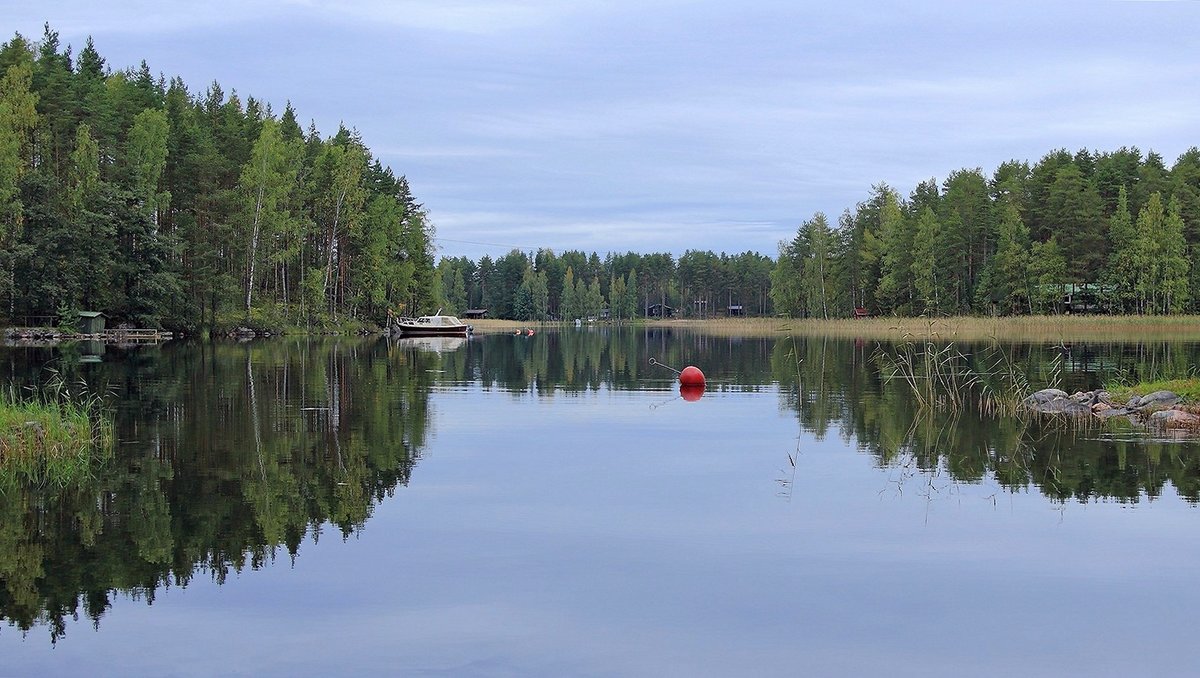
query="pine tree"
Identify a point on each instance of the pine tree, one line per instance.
(929, 273)
(568, 308)
(1008, 271)
(895, 290)
(817, 269)
(1175, 265)
(1048, 269)
(1150, 259)
(1122, 272)
(616, 291)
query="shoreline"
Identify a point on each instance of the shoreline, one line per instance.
(1060, 328)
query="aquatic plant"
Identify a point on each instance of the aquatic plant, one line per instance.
(940, 374)
(55, 434)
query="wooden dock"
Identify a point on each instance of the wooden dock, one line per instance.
(134, 335)
(108, 336)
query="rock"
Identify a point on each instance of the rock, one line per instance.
(1062, 406)
(1045, 395)
(1175, 419)
(1156, 401)
(1101, 407)
(1104, 397)
(1112, 412)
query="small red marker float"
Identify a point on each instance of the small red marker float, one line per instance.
(690, 376)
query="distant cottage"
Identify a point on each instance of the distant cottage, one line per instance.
(92, 322)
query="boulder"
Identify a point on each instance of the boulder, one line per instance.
(1062, 406)
(1175, 419)
(1158, 400)
(1045, 395)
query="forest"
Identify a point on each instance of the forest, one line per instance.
(125, 193)
(130, 194)
(1093, 232)
(1111, 232)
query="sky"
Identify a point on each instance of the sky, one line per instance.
(665, 125)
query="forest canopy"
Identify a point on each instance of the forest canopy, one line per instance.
(163, 207)
(1094, 232)
(166, 207)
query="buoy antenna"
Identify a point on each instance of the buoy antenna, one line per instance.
(655, 362)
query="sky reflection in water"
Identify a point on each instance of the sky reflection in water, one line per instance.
(571, 516)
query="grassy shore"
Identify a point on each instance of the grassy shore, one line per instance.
(1024, 328)
(50, 441)
(1187, 388)
(1060, 328)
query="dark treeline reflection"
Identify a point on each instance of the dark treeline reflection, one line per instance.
(839, 385)
(614, 357)
(229, 456)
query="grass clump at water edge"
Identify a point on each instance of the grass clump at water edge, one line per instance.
(1187, 388)
(46, 439)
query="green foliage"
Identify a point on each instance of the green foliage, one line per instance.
(54, 435)
(168, 208)
(1049, 272)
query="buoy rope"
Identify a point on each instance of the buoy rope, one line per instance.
(655, 362)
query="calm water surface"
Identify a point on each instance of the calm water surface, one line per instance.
(551, 506)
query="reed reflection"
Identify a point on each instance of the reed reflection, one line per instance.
(230, 457)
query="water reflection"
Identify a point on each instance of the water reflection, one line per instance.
(232, 455)
(229, 457)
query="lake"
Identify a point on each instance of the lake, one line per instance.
(554, 506)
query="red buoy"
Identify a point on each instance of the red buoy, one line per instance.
(691, 393)
(691, 376)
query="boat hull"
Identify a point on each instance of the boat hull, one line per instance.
(427, 331)
(430, 326)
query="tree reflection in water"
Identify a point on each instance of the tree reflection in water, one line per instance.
(230, 455)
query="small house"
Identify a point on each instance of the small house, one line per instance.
(475, 313)
(660, 311)
(92, 322)
(736, 309)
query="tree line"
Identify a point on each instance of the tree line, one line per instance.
(545, 285)
(1101, 232)
(1114, 232)
(163, 207)
(126, 193)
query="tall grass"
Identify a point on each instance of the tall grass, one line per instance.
(57, 434)
(941, 376)
(1039, 329)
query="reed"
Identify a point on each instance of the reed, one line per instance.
(1054, 328)
(55, 435)
(940, 375)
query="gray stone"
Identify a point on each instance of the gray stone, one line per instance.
(1175, 419)
(1045, 395)
(1157, 400)
(1112, 412)
(1062, 406)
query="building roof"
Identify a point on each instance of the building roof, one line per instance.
(92, 314)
